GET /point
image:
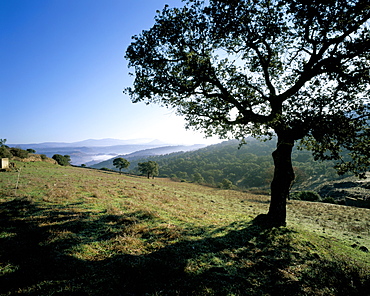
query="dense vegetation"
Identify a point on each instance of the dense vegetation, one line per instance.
(76, 231)
(249, 166)
(62, 159)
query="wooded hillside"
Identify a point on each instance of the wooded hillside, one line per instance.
(247, 166)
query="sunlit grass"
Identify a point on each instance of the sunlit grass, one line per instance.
(101, 233)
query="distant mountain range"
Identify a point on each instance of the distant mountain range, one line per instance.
(93, 151)
(91, 143)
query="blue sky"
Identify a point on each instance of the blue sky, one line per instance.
(62, 73)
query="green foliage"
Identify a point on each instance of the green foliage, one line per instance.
(306, 195)
(226, 184)
(18, 152)
(61, 160)
(43, 156)
(214, 163)
(246, 167)
(121, 163)
(31, 150)
(149, 168)
(2, 142)
(297, 69)
(198, 178)
(5, 153)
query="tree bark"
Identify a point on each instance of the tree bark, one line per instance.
(281, 183)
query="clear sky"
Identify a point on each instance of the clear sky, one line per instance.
(62, 72)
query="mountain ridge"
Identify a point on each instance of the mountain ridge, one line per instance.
(91, 143)
(163, 150)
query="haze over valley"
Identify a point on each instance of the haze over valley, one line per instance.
(92, 151)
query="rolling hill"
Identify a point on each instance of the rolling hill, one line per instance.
(79, 231)
(250, 167)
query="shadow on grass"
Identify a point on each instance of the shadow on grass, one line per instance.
(252, 260)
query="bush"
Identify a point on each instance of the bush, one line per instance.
(5, 153)
(226, 184)
(173, 177)
(60, 159)
(18, 152)
(43, 156)
(306, 195)
(198, 178)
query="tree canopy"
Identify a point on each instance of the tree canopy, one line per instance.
(149, 168)
(121, 163)
(62, 160)
(295, 69)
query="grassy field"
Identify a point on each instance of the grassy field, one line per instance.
(76, 231)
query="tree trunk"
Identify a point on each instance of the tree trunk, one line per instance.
(281, 183)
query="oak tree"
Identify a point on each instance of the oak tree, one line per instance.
(62, 160)
(149, 168)
(294, 69)
(121, 163)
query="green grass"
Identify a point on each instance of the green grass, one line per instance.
(75, 231)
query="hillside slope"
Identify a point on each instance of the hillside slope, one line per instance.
(75, 231)
(145, 153)
(248, 166)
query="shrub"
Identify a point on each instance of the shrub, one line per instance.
(306, 195)
(60, 159)
(18, 152)
(198, 178)
(174, 178)
(5, 153)
(226, 184)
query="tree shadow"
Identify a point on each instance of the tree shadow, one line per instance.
(252, 260)
(236, 265)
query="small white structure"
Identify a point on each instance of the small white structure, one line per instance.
(4, 163)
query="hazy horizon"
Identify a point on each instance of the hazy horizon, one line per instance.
(63, 72)
(132, 141)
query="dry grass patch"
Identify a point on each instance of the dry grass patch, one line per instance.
(98, 233)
